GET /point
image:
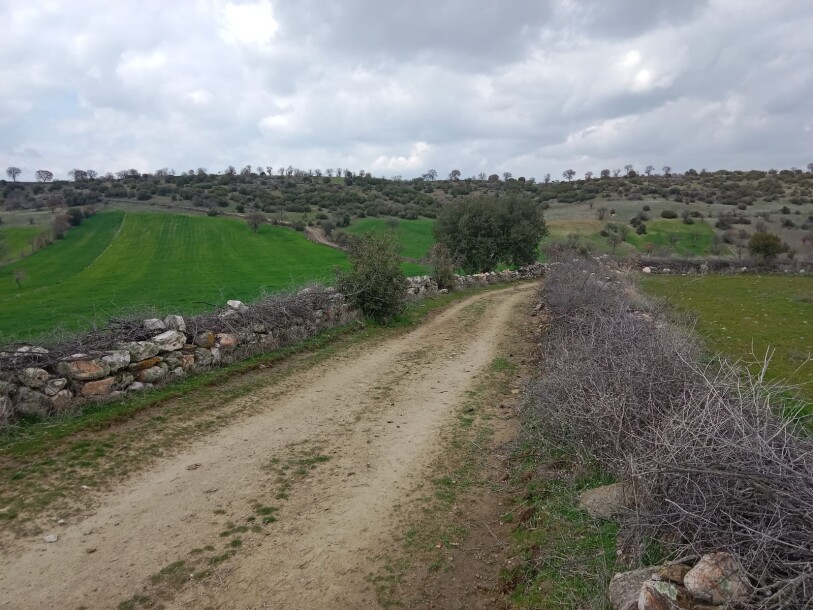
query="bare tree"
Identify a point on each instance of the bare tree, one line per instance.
(329, 172)
(246, 171)
(92, 174)
(810, 167)
(616, 173)
(430, 174)
(667, 170)
(201, 171)
(481, 176)
(318, 173)
(230, 171)
(649, 170)
(568, 174)
(546, 178)
(12, 172)
(20, 276)
(507, 176)
(614, 239)
(78, 175)
(289, 171)
(255, 219)
(628, 168)
(454, 174)
(588, 175)
(605, 173)
(602, 213)
(43, 175)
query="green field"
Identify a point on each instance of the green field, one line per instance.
(14, 242)
(176, 263)
(744, 316)
(416, 237)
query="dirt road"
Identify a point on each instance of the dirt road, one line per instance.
(285, 509)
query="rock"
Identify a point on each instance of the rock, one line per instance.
(625, 588)
(170, 340)
(31, 402)
(145, 364)
(31, 349)
(205, 339)
(54, 386)
(661, 595)
(647, 269)
(137, 386)
(237, 306)
(203, 357)
(187, 361)
(178, 372)
(175, 323)
(62, 399)
(718, 578)
(154, 324)
(674, 572)
(98, 389)
(117, 359)
(140, 350)
(152, 374)
(83, 370)
(33, 377)
(50, 538)
(217, 354)
(172, 360)
(606, 501)
(226, 341)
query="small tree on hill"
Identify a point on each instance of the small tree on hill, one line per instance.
(13, 172)
(254, 220)
(442, 266)
(766, 246)
(375, 282)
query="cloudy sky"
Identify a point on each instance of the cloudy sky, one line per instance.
(396, 87)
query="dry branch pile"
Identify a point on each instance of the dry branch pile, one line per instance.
(713, 464)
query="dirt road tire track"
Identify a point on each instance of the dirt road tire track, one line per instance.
(376, 412)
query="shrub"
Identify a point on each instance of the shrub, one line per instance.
(375, 283)
(766, 246)
(669, 214)
(442, 266)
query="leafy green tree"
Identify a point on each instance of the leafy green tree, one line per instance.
(375, 282)
(485, 231)
(766, 246)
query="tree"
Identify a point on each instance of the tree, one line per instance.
(602, 213)
(78, 175)
(375, 282)
(430, 174)
(91, 174)
(588, 175)
(629, 168)
(329, 172)
(613, 239)
(230, 171)
(481, 176)
(667, 170)
(507, 176)
(43, 175)
(546, 178)
(649, 170)
(12, 172)
(616, 173)
(568, 174)
(493, 178)
(246, 171)
(810, 167)
(485, 231)
(254, 220)
(766, 246)
(20, 276)
(442, 266)
(605, 173)
(454, 174)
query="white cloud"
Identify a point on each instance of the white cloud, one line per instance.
(249, 24)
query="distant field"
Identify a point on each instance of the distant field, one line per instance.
(416, 237)
(741, 315)
(174, 262)
(14, 242)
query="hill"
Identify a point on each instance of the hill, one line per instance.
(116, 261)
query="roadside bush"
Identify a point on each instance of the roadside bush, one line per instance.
(766, 246)
(375, 283)
(668, 214)
(442, 266)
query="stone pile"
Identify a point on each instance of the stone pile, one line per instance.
(424, 286)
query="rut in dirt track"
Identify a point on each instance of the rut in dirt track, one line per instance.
(376, 411)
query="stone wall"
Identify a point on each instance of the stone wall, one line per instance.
(135, 355)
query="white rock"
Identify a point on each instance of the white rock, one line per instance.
(50, 538)
(238, 306)
(170, 340)
(117, 359)
(647, 269)
(154, 324)
(175, 323)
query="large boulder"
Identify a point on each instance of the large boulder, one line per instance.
(170, 341)
(154, 324)
(718, 578)
(34, 377)
(175, 323)
(83, 370)
(117, 359)
(31, 402)
(140, 350)
(98, 389)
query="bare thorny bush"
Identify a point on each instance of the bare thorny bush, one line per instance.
(717, 460)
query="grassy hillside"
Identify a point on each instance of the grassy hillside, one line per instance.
(174, 262)
(14, 242)
(741, 315)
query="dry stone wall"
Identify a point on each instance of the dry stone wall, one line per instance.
(133, 356)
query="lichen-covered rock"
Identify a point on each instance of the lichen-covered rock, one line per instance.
(140, 350)
(124, 379)
(138, 386)
(718, 578)
(175, 323)
(217, 354)
(606, 501)
(187, 361)
(152, 374)
(117, 359)
(238, 306)
(206, 339)
(154, 324)
(673, 572)
(227, 341)
(33, 377)
(170, 341)
(31, 349)
(662, 595)
(145, 364)
(203, 358)
(172, 360)
(61, 399)
(31, 402)
(55, 386)
(625, 588)
(83, 370)
(98, 389)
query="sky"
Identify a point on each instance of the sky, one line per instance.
(398, 87)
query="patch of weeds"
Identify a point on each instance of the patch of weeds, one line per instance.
(501, 363)
(236, 543)
(174, 575)
(217, 559)
(219, 511)
(295, 466)
(137, 601)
